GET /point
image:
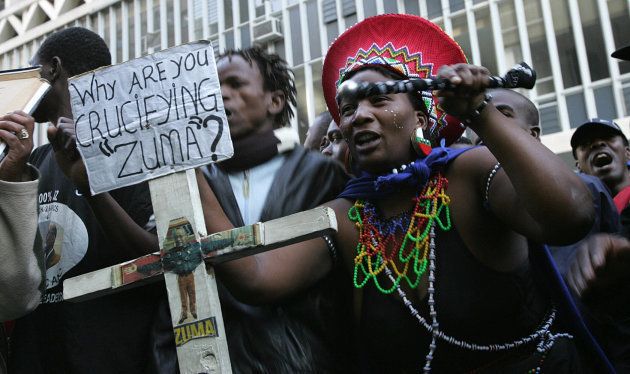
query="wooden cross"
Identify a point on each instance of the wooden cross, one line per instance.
(200, 339)
(156, 118)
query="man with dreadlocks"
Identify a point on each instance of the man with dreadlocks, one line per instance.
(265, 179)
(84, 233)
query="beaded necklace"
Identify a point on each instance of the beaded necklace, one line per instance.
(374, 258)
(379, 243)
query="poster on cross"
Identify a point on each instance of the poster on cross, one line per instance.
(149, 117)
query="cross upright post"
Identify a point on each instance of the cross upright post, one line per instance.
(192, 295)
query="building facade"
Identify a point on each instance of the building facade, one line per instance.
(568, 42)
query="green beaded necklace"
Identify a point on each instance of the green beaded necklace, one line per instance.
(373, 256)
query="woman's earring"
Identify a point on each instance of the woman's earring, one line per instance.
(421, 145)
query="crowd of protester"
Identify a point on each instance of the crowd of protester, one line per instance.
(455, 252)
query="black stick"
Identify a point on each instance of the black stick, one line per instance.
(521, 75)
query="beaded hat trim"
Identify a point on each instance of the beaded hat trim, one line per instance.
(402, 62)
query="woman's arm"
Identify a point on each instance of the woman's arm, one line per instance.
(268, 276)
(534, 192)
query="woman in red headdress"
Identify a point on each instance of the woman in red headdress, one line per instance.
(435, 241)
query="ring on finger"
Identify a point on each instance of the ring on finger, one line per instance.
(23, 134)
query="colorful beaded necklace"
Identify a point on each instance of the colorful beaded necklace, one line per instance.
(379, 243)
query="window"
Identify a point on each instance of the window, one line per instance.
(280, 50)
(348, 8)
(538, 45)
(618, 11)
(412, 7)
(296, 35)
(314, 40)
(549, 117)
(276, 5)
(329, 11)
(349, 12)
(626, 99)
(183, 16)
(511, 41)
(369, 8)
(227, 14)
(576, 109)
(246, 38)
(130, 29)
(243, 9)
(456, 5)
(170, 30)
(105, 34)
(390, 7)
(594, 40)
(302, 112)
(486, 40)
(318, 91)
(605, 102)
(229, 40)
(566, 44)
(460, 34)
(434, 8)
(332, 32)
(260, 8)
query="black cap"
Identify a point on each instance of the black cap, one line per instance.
(622, 53)
(585, 130)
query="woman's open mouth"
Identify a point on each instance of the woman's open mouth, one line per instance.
(364, 140)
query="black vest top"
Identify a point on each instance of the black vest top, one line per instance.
(474, 303)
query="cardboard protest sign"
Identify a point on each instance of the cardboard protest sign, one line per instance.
(150, 117)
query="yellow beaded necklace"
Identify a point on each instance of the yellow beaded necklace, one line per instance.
(373, 256)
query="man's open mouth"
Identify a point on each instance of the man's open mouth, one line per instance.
(602, 159)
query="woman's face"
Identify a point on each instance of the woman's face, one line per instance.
(378, 128)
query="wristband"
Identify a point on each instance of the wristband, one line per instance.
(476, 113)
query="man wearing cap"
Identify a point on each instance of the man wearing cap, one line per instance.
(601, 150)
(598, 270)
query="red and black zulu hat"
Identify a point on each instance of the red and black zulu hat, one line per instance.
(409, 45)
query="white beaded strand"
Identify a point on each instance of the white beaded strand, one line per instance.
(435, 326)
(547, 338)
